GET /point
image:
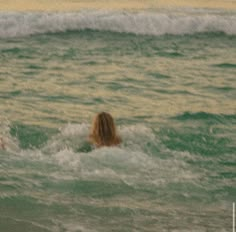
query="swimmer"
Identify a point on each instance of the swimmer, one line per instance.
(104, 131)
(2, 144)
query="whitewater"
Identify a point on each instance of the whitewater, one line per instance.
(143, 23)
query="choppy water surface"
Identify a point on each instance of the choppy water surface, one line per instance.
(168, 78)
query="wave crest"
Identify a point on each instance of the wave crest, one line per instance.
(144, 23)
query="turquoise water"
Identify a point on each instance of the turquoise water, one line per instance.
(168, 78)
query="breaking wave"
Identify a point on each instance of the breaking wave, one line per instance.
(18, 24)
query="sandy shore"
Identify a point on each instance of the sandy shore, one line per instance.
(62, 5)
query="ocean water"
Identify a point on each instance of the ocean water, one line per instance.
(167, 77)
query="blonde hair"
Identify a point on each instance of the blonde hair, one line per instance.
(103, 132)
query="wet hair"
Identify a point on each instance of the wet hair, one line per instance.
(104, 131)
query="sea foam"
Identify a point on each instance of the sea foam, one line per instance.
(18, 24)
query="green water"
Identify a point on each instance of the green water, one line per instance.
(173, 99)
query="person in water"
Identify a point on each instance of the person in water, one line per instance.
(103, 132)
(2, 144)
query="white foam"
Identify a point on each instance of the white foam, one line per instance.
(11, 143)
(144, 23)
(72, 136)
(122, 165)
(129, 163)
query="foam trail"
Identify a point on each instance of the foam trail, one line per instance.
(144, 23)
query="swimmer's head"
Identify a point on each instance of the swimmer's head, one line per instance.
(104, 131)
